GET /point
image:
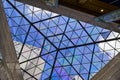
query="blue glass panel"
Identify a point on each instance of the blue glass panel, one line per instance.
(68, 47)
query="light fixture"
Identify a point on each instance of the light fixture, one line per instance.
(102, 10)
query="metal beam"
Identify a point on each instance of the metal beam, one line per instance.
(79, 15)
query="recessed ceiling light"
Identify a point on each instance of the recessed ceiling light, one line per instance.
(102, 10)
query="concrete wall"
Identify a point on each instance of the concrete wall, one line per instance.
(111, 71)
(10, 65)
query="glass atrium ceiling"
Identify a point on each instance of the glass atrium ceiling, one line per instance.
(51, 46)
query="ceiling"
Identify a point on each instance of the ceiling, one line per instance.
(93, 7)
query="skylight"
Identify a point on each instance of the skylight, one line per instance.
(51, 46)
